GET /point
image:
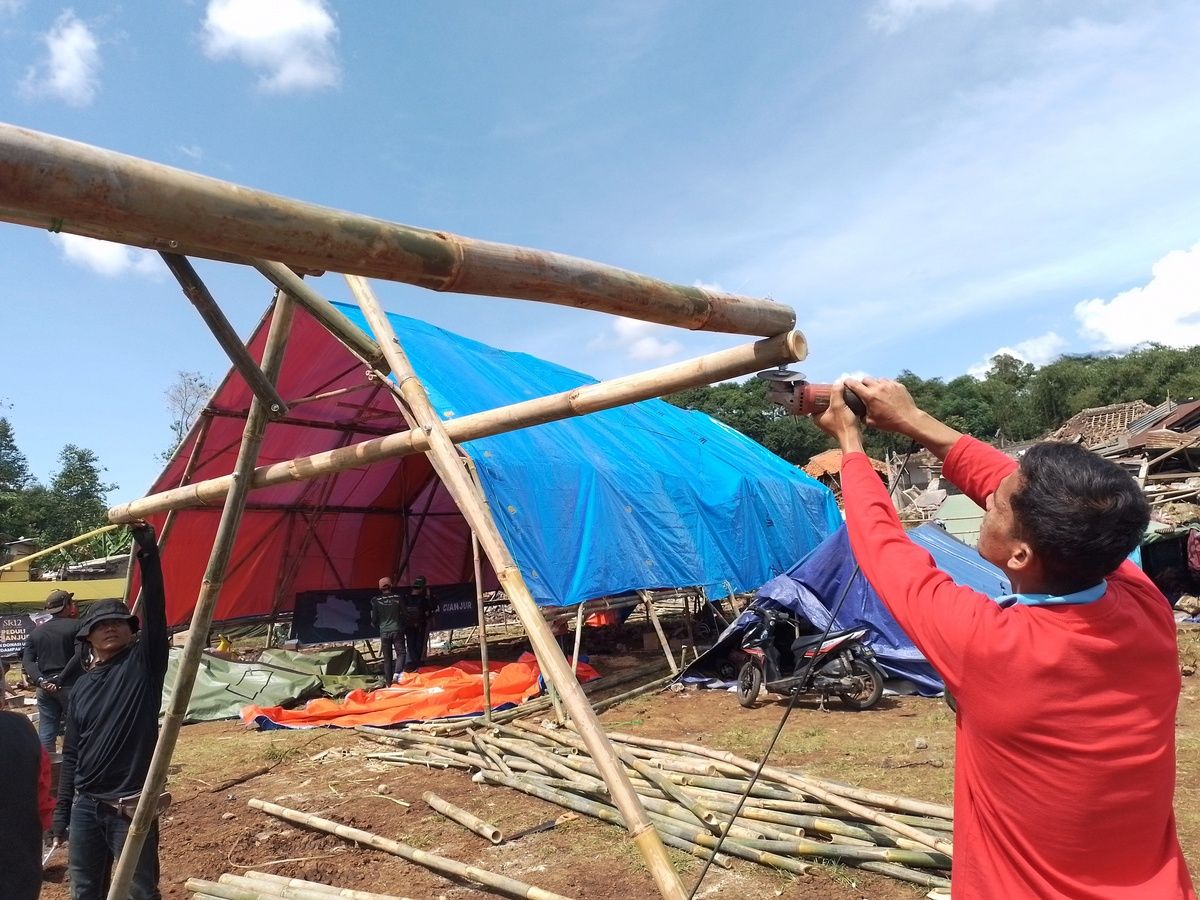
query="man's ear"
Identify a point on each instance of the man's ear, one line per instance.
(1021, 557)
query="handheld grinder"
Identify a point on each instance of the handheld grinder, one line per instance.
(801, 397)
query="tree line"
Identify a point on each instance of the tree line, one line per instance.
(1013, 401)
(74, 501)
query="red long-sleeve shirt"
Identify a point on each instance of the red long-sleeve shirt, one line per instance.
(1065, 762)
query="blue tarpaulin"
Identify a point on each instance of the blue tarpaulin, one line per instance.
(646, 495)
(813, 586)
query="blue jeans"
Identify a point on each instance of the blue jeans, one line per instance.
(52, 716)
(97, 835)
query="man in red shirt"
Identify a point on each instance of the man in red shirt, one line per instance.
(1066, 690)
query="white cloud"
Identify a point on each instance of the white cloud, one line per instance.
(1037, 350)
(892, 15)
(70, 70)
(708, 286)
(192, 151)
(10, 7)
(106, 258)
(291, 40)
(1166, 310)
(639, 341)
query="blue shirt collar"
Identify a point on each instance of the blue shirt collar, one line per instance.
(1087, 595)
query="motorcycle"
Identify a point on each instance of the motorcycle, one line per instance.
(787, 658)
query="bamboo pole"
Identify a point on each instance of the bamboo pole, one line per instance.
(807, 786)
(467, 820)
(95, 532)
(444, 457)
(483, 638)
(51, 183)
(652, 615)
(202, 616)
(242, 887)
(197, 292)
(578, 638)
(582, 400)
(334, 320)
(440, 864)
(316, 886)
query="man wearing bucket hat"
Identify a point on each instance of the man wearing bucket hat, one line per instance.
(48, 650)
(112, 726)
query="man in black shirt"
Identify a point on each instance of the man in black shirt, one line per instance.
(388, 613)
(418, 605)
(112, 726)
(48, 649)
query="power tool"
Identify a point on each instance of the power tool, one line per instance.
(801, 397)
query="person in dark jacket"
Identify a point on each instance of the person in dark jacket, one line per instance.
(25, 807)
(418, 609)
(112, 727)
(387, 612)
(48, 650)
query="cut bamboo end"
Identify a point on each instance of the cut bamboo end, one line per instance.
(461, 817)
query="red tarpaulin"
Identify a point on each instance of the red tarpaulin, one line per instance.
(342, 531)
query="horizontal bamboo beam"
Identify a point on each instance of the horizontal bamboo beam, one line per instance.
(723, 364)
(52, 183)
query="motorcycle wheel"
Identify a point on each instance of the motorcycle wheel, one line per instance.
(749, 683)
(871, 685)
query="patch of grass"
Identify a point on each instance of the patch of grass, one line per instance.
(839, 873)
(277, 753)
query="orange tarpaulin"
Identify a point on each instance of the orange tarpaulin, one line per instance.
(430, 693)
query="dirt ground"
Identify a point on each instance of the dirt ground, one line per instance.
(206, 834)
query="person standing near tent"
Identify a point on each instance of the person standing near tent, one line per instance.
(387, 612)
(48, 650)
(418, 608)
(1067, 689)
(112, 727)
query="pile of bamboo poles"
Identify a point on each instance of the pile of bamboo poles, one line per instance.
(265, 886)
(789, 820)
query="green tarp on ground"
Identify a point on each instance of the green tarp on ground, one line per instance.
(277, 678)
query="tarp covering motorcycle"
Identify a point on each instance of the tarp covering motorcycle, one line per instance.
(814, 586)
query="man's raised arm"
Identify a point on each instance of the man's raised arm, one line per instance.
(154, 599)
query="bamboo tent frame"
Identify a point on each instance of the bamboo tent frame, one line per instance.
(64, 186)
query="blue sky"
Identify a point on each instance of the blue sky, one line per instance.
(925, 181)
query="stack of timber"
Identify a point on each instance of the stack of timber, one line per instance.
(789, 820)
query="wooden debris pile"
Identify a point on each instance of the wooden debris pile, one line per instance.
(690, 792)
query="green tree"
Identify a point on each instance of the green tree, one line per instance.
(744, 407)
(15, 480)
(77, 493)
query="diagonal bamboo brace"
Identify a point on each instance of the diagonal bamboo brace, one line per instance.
(443, 455)
(202, 615)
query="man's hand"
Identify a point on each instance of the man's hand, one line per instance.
(890, 407)
(143, 534)
(839, 422)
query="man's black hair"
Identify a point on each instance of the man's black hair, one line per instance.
(1081, 514)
